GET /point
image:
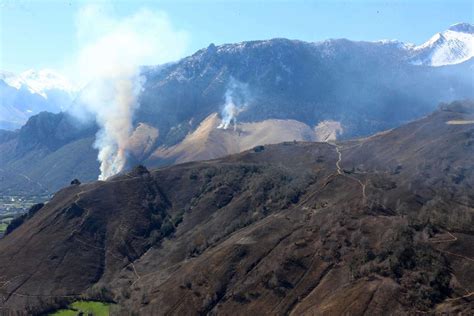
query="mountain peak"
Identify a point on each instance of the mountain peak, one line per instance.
(38, 81)
(453, 46)
(462, 28)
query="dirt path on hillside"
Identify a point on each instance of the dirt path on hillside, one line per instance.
(75, 231)
(78, 196)
(453, 239)
(341, 172)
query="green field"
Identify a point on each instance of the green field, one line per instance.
(86, 308)
(3, 227)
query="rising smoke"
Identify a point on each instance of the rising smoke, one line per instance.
(108, 69)
(237, 98)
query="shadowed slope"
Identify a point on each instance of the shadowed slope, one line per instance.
(383, 223)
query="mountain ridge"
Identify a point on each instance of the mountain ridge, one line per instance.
(453, 46)
(371, 224)
(32, 92)
(39, 82)
(363, 87)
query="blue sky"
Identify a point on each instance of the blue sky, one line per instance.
(42, 34)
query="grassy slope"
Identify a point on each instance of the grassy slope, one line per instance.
(86, 307)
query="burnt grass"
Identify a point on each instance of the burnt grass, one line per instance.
(271, 231)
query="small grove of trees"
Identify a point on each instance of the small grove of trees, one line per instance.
(18, 221)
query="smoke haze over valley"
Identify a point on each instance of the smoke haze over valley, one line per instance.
(364, 87)
(283, 174)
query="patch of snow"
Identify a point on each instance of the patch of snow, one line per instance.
(38, 82)
(454, 46)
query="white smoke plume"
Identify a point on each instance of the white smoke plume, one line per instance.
(237, 98)
(328, 130)
(108, 68)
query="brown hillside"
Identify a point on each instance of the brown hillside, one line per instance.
(209, 142)
(377, 226)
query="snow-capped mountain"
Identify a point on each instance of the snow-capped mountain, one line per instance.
(39, 82)
(277, 66)
(357, 87)
(31, 92)
(453, 46)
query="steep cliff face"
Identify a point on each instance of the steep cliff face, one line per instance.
(46, 153)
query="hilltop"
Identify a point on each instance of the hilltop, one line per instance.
(369, 225)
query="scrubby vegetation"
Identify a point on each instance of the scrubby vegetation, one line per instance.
(249, 191)
(160, 224)
(15, 223)
(279, 231)
(436, 214)
(422, 272)
(274, 187)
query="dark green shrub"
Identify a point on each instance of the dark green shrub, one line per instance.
(16, 222)
(167, 228)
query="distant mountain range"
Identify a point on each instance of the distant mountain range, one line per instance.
(297, 90)
(367, 86)
(360, 227)
(31, 92)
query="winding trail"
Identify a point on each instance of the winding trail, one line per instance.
(338, 166)
(455, 254)
(459, 298)
(453, 239)
(29, 179)
(78, 196)
(33, 181)
(15, 293)
(73, 233)
(341, 172)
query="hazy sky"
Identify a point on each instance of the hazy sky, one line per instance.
(42, 34)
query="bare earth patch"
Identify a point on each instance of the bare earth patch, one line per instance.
(460, 122)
